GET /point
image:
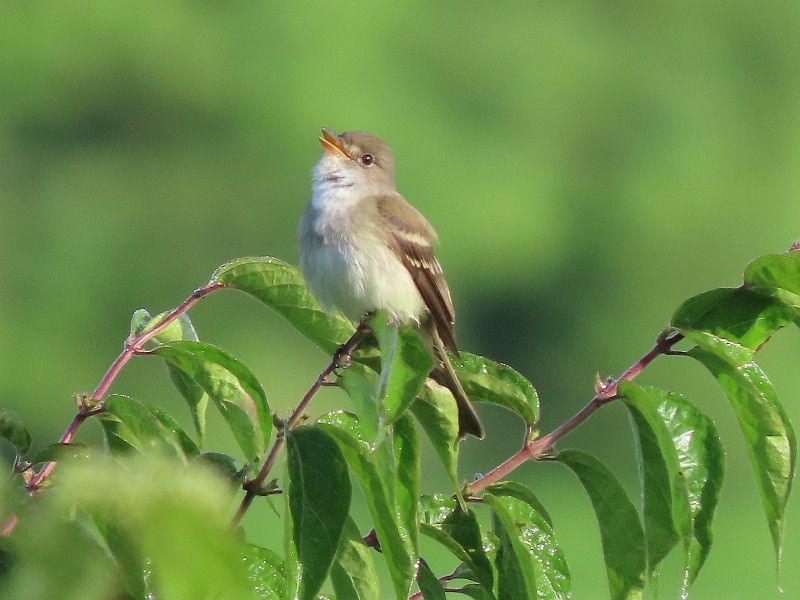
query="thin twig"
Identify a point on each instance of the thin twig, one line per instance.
(253, 487)
(541, 447)
(88, 407)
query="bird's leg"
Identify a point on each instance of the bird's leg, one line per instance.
(342, 358)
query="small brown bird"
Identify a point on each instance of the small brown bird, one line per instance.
(364, 248)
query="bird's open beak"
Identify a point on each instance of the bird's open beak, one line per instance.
(332, 143)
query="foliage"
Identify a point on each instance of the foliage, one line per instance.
(149, 514)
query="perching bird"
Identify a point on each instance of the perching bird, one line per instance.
(364, 248)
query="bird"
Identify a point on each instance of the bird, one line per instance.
(364, 248)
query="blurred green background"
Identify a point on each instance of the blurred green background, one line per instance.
(588, 167)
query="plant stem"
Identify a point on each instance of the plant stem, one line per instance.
(88, 407)
(253, 487)
(541, 448)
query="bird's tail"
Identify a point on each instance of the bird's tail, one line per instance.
(468, 421)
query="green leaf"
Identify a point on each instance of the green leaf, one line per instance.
(702, 460)
(179, 516)
(133, 425)
(487, 381)
(775, 271)
(516, 573)
(520, 492)
(195, 396)
(534, 543)
(265, 572)
(13, 431)
(621, 532)
(428, 583)
(59, 452)
(319, 500)
(437, 412)
(396, 545)
(462, 526)
(361, 385)
(234, 389)
(179, 329)
(224, 465)
(667, 515)
(739, 315)
(768, 433)
(406, 479)
(353, 572)
(281, 287)
(734, 353)
(126, 551)
(405, 364)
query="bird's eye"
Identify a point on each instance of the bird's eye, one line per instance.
(367, 160)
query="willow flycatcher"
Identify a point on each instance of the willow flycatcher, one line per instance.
(363, 248)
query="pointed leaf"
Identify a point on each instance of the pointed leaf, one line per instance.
(667, 516)
(405, 364)
(319, 500)
(406, 478)
(396, 546)
(462, 526)
(768, 433)
(487, 381)
(516, 573)
(281, 287)
(702, 460)
(361, 384)
(437, 412)
(234, 389)
(59, 452)
(353, 572)
(265, 572)
(520, 492)
(621, 532)
(428, 583)
(542, 554)
(195, 396)
(132, 425)
(776, 271)
(739, 315)
(13, 431)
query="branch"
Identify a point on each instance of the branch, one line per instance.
(254, 487)
(540, 448)
(93, 405)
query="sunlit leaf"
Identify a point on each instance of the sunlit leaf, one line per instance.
(133, 425)
(234, 389)
(395, 545)
(265, 572)
(702, 460)
(739, 315)
(665, 496)
(437, 412)
(406, 478)
(353, 572)
(768, 433)
(361, 384)
(535, 535)
(281, 287)
(319, 500)
(516, 574)
(776, 271)
(405, 364)
(487, 381)
(621, 532)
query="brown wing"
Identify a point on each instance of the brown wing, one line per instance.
(412, 238)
